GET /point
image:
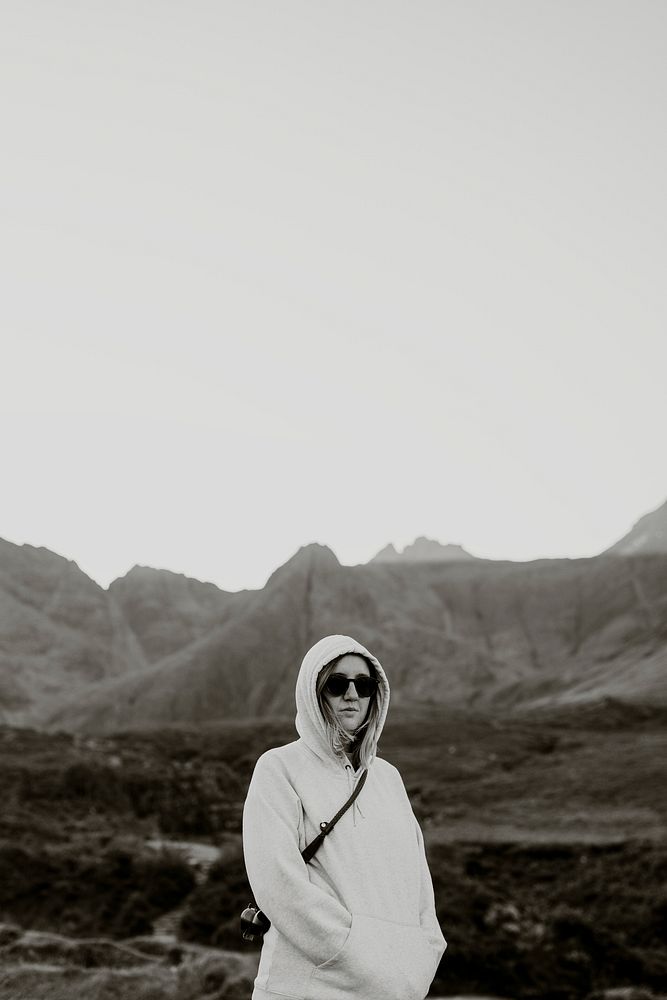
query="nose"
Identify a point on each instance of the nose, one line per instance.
(347, 695)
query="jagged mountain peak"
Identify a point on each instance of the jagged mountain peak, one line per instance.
(423, 550)
(313, 556)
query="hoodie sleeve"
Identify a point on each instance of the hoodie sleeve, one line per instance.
(427, 914)
(311, 919)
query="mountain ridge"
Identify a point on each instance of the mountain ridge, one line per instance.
(494, 636)
(648, 534)
(163, 647)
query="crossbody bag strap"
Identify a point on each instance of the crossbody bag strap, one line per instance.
(326, 828)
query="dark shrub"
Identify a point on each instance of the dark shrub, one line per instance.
(213, 909)
(117, 893)
(94, 782)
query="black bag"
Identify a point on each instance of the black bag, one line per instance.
(254, 923)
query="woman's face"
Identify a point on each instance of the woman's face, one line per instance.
(349, 708)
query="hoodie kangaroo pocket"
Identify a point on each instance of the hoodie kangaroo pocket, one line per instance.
(380, 960)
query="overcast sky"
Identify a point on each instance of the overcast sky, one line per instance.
(347, 272)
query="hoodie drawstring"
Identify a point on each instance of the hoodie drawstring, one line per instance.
(350, 786)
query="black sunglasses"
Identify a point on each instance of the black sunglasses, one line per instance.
(338, 684)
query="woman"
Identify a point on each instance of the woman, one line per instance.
(359, 920)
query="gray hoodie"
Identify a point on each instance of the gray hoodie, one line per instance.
(359, 920)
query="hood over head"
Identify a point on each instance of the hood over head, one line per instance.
(309, 720)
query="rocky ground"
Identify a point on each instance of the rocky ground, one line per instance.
(42, 966)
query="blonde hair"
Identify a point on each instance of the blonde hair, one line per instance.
(360, 744)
